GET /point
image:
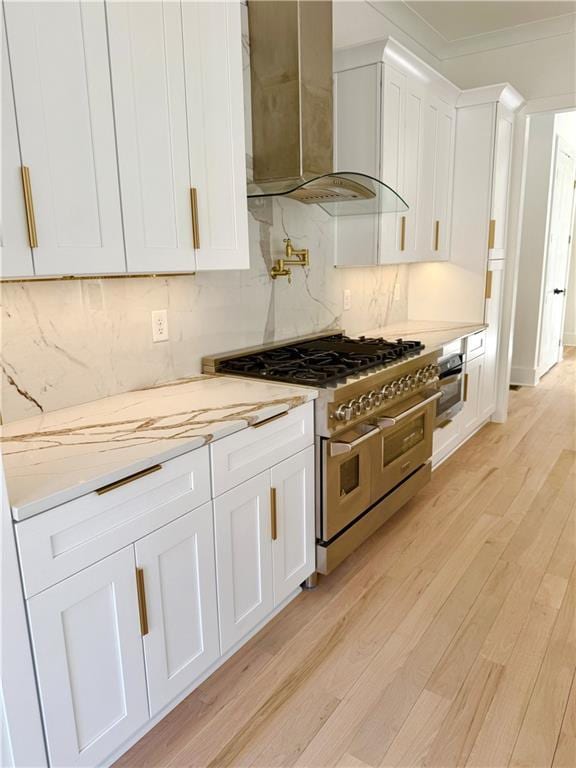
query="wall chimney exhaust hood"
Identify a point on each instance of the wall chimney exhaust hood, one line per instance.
(291, 80)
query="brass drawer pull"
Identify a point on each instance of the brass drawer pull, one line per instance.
(269, 419)
(273, 514)
(195, 220)
(465, 393)
(29, 206)
(436, 235)
(402, 233)
(488, 292)
(491, 234)
(128, 479)
(142, 610)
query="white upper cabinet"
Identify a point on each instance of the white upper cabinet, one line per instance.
(61, 77)
(178, 99)
(16, 260)
(395, 121)
(500, 182)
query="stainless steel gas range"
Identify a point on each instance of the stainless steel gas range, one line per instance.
(374, 422)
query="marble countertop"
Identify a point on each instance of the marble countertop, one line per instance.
(432, 333)
(58, 456)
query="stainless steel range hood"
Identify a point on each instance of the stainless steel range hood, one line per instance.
(291, 78)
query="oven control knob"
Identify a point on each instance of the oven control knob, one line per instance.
(404, 383)
(421, 377)
(388, 391)
(365, 403)
(356, 407)
(343, 413)
(375, 398)
(398, 386)
(413, 381)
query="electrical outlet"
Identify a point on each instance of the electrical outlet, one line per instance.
(347, 299)
(160, 325)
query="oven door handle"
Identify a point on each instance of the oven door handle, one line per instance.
(336, 449)
(389, 421)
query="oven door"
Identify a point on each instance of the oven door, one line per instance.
(346, 477)
(452, 400)
(404, 442)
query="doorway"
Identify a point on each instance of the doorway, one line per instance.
(546, 246)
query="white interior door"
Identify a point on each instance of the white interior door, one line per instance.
(60, 69)
(557, 256)
(180, 585)
(89, 661)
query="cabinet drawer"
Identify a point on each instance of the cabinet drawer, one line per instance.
(247, 453)
(62, 541)
(475, 345)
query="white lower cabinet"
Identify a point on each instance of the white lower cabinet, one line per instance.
(265, 543)
(89, 661)
(243, 558)
(471, 417)
(177, 565)
(293, 549)
(492, 311)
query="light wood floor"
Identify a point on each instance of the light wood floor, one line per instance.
(448, 639)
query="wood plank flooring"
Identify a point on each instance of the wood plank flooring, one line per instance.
(448, 639)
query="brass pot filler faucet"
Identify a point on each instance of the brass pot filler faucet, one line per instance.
(295, 257)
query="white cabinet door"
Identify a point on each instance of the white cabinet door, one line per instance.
(180, 587)
(500, 182)
(215, 103)
(149, 83)
(89, 661)
(492, 313)
(16, 252)
(293, 548)
(413, 193)
(392, 139)
(61, 76)
(243, 558)
(473, 381)
(443, 154)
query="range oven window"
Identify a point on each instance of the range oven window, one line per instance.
(349, 475)
(451, 394)
(403, 440)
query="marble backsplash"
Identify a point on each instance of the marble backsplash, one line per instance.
(69, 342)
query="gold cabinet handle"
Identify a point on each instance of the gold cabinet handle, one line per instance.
(436, 234)
(29, 206)
(465, 393)
(142, 601)
(488, 292)
(403, 233)
(128, 479)
(273, 514)
(491, 234)
(195, 221)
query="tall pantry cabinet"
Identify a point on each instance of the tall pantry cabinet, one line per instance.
(129, 126)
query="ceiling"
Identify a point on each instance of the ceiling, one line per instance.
(458, 20)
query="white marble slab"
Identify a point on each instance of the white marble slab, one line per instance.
(432, 333)
(58, 456)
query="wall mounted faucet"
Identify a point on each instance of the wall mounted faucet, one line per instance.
(295, 257)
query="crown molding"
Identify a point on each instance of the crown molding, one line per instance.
(413, 25)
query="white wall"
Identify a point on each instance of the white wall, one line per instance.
(570, 316)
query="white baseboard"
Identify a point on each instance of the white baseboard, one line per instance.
(569, 339)
(524, 377)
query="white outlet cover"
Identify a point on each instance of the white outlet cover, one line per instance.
(347, 299)
(160, 325)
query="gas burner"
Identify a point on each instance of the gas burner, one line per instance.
(321, 362)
